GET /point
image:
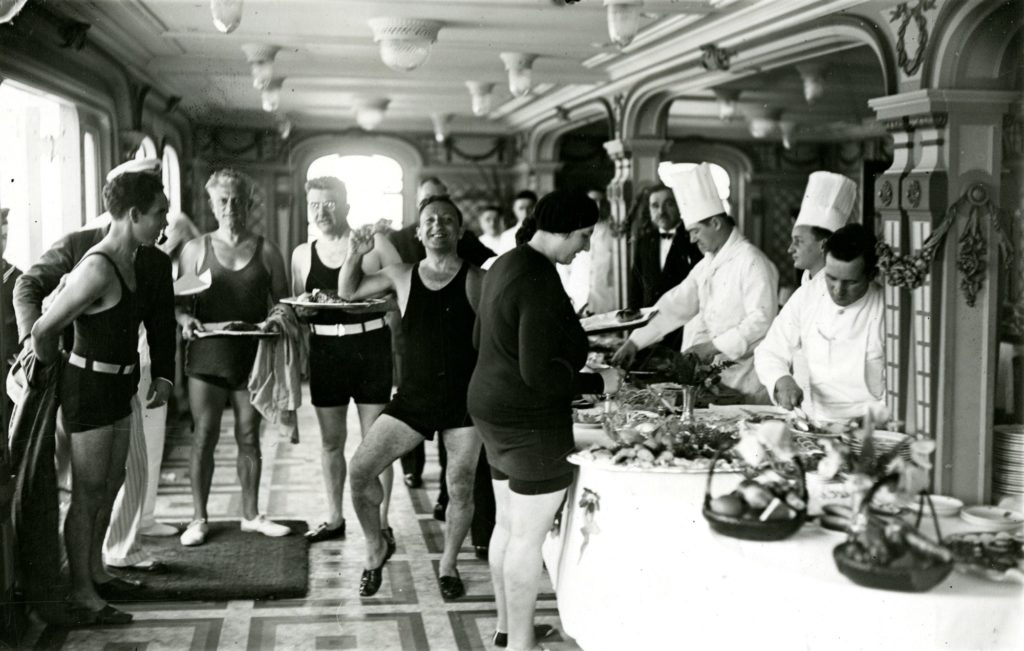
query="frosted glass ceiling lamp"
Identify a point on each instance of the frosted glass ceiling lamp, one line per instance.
(9, 9)
(481, 96)
(227, 14)
(623, 20)
(404, 42)
(787, 128)
(261, 63)
(520, 73)
(764, 123)
(441, 122)
(284, 128)
(726, 103)
(370, 112)
(814, 81)
(271, 95)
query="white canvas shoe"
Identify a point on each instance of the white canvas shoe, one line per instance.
(260, 524)
(195, 533)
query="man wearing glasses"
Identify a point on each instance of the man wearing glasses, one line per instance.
(838, 326)
(350, 354)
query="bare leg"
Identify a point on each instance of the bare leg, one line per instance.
(207, 404)
(367, 415)
(250, 462)
(94, 455)
(463, 447)
(333, 433)
(387, 440)
(496, 553)
(530, 519)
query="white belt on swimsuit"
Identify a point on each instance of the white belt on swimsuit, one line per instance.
(342, 329)
(100, 367)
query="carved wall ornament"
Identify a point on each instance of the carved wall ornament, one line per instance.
(1013, 134)
(914, 193)
(936, 120)
(715, 58)
(885, 193)
(909, 270)
(905, 14)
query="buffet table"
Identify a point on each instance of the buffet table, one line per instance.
(639, 568)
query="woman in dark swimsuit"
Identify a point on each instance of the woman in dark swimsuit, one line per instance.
(248, 277)
(101, 377)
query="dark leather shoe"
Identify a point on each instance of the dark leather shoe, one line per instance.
(106, 616)
(120, 590)
(388, 535)
(540, 632)
(439, 510)
(369, 582)
(413, 481)
(322, 532)
(451, 586)
(150, 567)
(481, 552)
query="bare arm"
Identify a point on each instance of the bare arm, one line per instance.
(384, 254)
(300, 268)
(352, 284)
(188, 264)
(274, 262)
(86, 285)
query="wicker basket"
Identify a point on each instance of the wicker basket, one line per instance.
(904, 575)
(744, 529)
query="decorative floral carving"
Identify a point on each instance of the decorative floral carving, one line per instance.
(715, 58)
(885, 193)
(909, 270)
(905, 13)
(914, 193)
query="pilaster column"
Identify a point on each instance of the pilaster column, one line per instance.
(538, 176)
(956, 144)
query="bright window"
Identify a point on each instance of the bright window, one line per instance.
(90, 172)
(721, 179)
(374, 185)
(40, 170)
(172, 179)
(147, 149)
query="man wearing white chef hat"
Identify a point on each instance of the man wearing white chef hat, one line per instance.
(828, 202)
(728, 300)
(839, 333)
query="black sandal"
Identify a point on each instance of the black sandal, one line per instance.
(451, 586)
(107, 616)
(540, 632)
(369, 582)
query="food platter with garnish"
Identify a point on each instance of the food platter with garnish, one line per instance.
(325, 299)
(617, 320)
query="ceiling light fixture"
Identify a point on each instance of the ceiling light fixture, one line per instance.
(813, 75)
(284, 127)
(9, 9)
(261, 62)
(441, 122)
(370, 112)
(227, 14)
(764, 122)
(623, 20)
(481, 96)
(520, 73)
(271, 95)
(787, 128)
(404, 42)
(726, 102)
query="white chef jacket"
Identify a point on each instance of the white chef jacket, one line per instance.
(729, 298)
(842, 349)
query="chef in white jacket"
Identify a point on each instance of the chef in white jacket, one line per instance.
(828, 202)
(728, 300)
(839, 332)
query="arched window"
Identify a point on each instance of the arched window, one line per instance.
(172, 179)
(373, 183)
(721, 179)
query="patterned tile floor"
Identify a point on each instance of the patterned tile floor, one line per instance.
(408, 613)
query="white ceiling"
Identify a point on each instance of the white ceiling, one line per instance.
(329, 59)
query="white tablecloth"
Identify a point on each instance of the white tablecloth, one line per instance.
(654, 576)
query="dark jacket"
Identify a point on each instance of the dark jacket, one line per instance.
(155, 288)
(648, 281)
(9, 327)
(411, 250)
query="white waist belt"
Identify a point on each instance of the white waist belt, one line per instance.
(342, 329)
(100, 367)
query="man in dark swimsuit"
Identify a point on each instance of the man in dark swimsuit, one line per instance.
(248, 275)
(437, 298)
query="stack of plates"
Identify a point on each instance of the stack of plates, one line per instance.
(884, 441)
(1008, 460)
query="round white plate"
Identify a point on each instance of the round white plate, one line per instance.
(992, 517)
(945, 506)
(346, 305)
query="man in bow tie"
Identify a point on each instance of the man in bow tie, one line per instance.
(663, 256)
